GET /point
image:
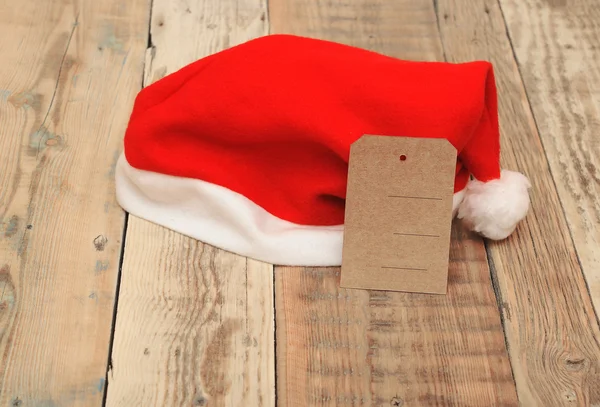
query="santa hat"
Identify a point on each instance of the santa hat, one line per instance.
(247, 149)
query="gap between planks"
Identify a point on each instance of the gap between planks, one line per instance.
(187, 323)
(339, 346)
(548, 313)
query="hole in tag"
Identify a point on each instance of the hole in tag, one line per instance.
(403, 157)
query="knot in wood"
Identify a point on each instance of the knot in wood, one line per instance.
(397, 402)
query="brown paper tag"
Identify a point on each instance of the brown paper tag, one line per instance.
(398, 214)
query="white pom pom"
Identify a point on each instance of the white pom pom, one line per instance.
(457, 200)
(493, 209)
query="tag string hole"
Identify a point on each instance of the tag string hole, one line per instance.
(403, 157)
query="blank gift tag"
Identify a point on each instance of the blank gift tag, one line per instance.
(398, 214)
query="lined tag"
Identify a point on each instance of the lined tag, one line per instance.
(398, 214)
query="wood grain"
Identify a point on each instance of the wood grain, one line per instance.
(339, 347)
(551, 329)
(409, 31)
(60, 232)
(556, 44)
(379, 348)
(195, 324)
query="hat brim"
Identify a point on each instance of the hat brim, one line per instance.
(225, 219)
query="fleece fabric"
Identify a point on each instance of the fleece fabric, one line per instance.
(273, 120)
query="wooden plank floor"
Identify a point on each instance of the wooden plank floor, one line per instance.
(393, 347)
(68, 70)
(198, 312)
(100, 308)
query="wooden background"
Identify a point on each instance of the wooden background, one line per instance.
(100, 308)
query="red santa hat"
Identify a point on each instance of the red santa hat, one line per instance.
(247, 149)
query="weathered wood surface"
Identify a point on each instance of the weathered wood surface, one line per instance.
(557, 45)
(552, 332)
(354, 347)
(60, 231)
(194, 323)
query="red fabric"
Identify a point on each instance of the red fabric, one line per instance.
(273, 119)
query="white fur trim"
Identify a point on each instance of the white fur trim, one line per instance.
(225, 219)
(494, 209)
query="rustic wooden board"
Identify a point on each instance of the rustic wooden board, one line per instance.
(354, 347)
(60, 232)
(556, 44)
(551, 329)
(194, 324)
